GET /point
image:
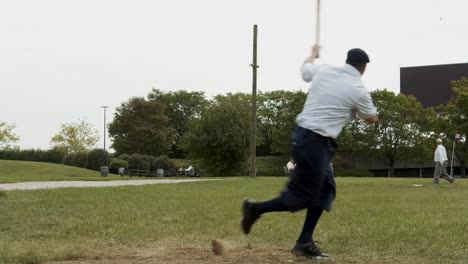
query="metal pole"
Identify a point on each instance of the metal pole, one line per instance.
(105, 107)
(253, 112)
(451, 165)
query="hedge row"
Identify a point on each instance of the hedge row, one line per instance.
(266, 166)
(146, 162)
(273, 166)
(92, 160)
(54, 155)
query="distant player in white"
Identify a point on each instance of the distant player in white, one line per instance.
(441, 160)
(290, 165)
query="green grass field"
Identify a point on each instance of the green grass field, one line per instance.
(20, 171)
(374, 220)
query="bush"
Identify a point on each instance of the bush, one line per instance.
(152, 161)
(79, 159)
(98, 158)
(344, 167)
(353, 172)
(138, 162)
(54, 155)
(68, 159)
(125, 157)
(117, 163)
(163, 162)
(271, 165)
(76, 159)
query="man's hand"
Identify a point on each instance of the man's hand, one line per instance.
(314, 54)
(316, 51)
(372, 119)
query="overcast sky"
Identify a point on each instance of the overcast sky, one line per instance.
(61, 60)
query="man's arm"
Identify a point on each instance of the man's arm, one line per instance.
(308, 69)
(366, 109)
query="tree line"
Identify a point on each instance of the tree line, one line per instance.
(182, 124)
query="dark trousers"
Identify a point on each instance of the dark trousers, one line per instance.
(311, 185)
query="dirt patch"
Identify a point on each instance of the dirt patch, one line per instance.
(185, 255)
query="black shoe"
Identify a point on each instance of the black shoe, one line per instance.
(451, 180)
(308, 250)
(249, 216)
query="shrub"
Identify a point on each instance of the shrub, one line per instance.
(353, 172)
(344, 167)
(54, 155)
(117, 163)
(152, 161)
(68, 159)
(138, 162)
(79, 159)
(163, 162)
(124, 157)
(271, 165)
(98, 158)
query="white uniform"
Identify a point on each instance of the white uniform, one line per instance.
(440, 154)
(440, 158)
(336, 94)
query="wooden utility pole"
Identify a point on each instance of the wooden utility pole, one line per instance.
(253, 112)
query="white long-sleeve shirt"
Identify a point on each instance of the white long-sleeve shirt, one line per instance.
(440, 154)
(335, 95)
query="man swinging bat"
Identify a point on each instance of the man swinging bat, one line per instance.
(336, 94)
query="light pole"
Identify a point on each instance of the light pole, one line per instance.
(105, 107)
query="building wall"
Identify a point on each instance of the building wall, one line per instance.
(431, 84)
(402, 168)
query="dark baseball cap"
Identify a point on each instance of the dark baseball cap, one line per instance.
(357, 56)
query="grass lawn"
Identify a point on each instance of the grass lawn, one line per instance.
(21, 171)
(374, 220)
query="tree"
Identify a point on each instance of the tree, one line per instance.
(76, 137)
(140, 126)
(181, 108)
(453, 119)
(7, 137)
(401, 133)
(220, 139)
(276, 118)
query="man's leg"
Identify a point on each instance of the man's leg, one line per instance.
(444, 173)
(305, 246)
(436, 173)
(252, 210)
(312, 217)
(314, 213)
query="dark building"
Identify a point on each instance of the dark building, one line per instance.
(431, 84)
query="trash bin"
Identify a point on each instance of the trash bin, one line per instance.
(104, 171)
(121, 171)
(159, 172)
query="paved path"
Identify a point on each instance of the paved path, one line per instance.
(70, 184)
